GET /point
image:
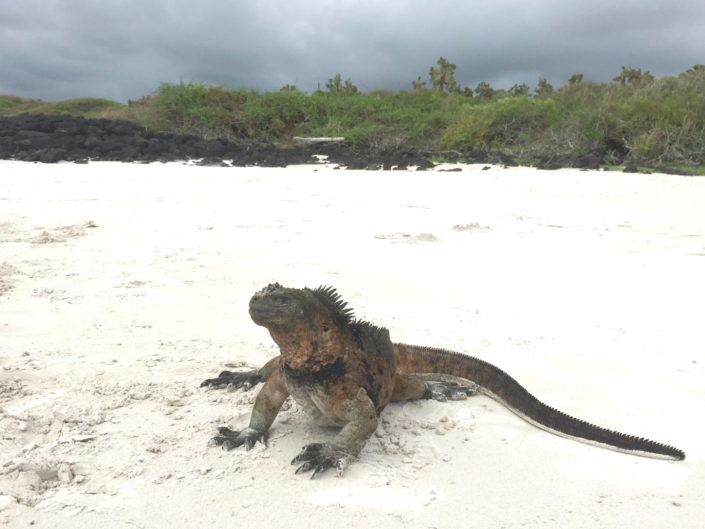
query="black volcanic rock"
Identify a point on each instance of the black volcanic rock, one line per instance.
(53, 138)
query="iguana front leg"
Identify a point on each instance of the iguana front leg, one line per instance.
(267, 405)
(362, 422)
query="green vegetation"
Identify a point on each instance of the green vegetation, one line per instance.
(336, 85)
(380, 119)
(635, 119)
(443, 77)
(85, 106)
(512, 122)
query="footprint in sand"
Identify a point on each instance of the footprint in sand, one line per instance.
(61, 233)
(6, 271)
(408, 238)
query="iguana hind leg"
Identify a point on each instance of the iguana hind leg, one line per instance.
(443, 391)
(434, 386)
(243, 379)
(236, 379)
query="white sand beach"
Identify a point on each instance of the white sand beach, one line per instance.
(123, 286)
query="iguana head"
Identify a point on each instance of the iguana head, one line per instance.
(282, 309)
(316, 322)
(278, 308)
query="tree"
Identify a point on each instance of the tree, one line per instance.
(576, 78)
(464, 91)
(419, 84)
(695, 74)
(442, 77)
(336, 84)
(633, 76)
(484, 91)
(349, 87)
(544, 88)
(519, 90)
(696, 70)
(289, 88)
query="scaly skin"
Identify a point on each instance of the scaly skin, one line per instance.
(344, 372)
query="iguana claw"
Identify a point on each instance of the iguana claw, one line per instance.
(236, 379)
(229, 439)
(320, 457)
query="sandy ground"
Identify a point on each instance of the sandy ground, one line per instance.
(123, 286)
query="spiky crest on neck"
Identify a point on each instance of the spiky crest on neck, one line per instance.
(329, 297)
(344, 316)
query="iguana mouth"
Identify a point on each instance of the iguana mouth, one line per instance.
(261, 314)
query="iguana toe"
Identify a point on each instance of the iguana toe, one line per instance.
(229, 439)
(235, 379)
(319, 457)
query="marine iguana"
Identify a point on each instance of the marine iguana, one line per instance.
(345, 371)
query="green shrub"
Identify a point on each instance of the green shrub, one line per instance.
(469, 133)
(661, 121)
(509, 121)
(196, 107)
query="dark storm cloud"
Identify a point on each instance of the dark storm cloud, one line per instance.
(57, 49)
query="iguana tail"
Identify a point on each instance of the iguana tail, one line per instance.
(498, 385)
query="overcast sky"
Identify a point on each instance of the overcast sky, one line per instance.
(123, 49)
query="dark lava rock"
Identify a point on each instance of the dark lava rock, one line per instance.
(549, 165)
(589, 161)
(424, 165)
(52, 138)
(354, 164)
(52, 155)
